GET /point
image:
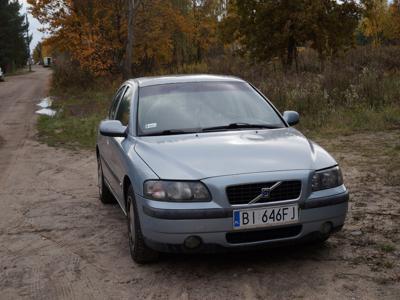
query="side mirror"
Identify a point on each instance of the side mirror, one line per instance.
(291, 117)
(113, 128)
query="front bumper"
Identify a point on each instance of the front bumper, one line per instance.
(165, 228)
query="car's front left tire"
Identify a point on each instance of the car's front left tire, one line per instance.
(140, 253)
(106, 197)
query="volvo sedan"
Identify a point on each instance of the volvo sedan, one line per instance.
(204, 163)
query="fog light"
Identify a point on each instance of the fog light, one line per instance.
(192, 242)
(326, 228)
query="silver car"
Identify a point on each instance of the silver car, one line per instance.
(204, 163)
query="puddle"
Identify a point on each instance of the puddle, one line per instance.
(46, 112)
(45, 103)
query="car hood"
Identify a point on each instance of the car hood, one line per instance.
(204, 155)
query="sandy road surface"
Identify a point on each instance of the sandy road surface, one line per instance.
(58, 242)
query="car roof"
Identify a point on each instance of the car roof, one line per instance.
(157, 80)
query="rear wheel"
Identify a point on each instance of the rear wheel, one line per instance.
(140, 253)
(104, 193)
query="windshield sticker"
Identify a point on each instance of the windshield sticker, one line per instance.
(150, 125)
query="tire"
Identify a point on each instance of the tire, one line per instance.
(320, 239)
(106, 197)
(140, 253)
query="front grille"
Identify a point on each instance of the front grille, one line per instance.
(243, 194)
(262, 235)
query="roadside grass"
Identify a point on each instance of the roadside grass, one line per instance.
(79, 113)
(70, 132)
(345, 121)
(17, 72)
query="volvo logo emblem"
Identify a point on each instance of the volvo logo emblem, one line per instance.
(265, 192)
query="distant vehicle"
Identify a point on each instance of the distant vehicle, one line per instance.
(200, 162)
(47, 61)
(1, 75)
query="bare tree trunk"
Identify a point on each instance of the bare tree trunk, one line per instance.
(127, 64)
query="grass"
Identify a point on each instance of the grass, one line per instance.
(388, 248)
(345, 121)
(17, 72)
(78, 117)
(71, 132)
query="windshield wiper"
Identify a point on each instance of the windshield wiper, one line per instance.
(240, 125)
(214, 128)
(171, 132)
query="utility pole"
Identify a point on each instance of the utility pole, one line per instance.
(28, 39)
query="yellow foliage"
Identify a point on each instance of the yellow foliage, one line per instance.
(381, 20)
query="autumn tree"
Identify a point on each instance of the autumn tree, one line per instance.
(91, 32)
(37, 53)
(375, 21)
(154, 43)
(205, 14)
(180, 31)
(393, 29)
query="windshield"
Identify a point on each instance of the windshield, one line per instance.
(193, 107)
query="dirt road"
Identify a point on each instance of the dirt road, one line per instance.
(58, 242)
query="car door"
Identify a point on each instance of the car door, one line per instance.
(104, 145)
(119, 146)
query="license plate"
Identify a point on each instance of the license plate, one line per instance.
(266, 216)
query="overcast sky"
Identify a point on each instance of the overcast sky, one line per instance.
(34, 25)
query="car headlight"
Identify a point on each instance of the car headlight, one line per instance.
(176, 191)
(326, 179)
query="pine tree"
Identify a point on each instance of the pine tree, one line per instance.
(13, 41)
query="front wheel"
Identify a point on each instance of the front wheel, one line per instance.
(140, 253)
(319, 240)
(104, 193)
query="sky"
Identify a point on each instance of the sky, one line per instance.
(34, 25)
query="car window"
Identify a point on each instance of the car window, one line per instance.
(123, 111)
(200, 105)
(115, 103)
